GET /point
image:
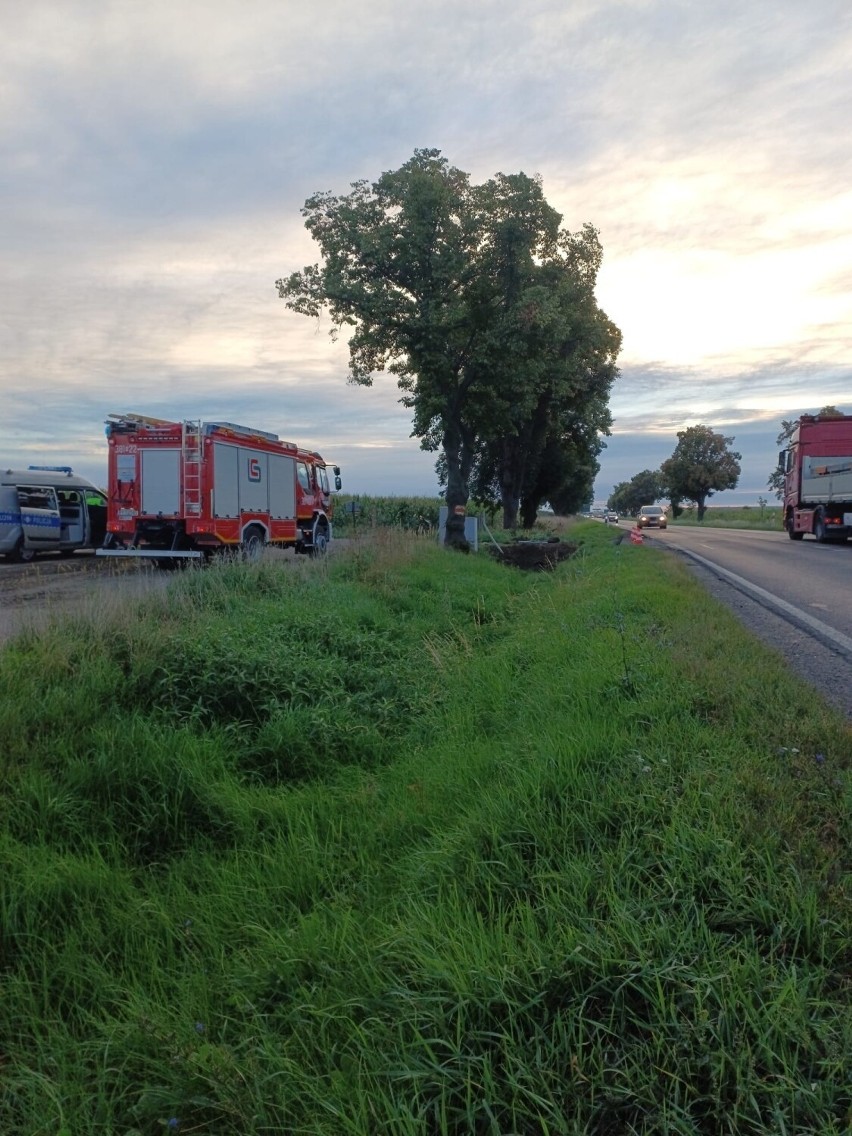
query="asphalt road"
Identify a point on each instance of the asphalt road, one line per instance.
(33, 595)
(795, 595)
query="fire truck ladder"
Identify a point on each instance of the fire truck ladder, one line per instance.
(191, 461)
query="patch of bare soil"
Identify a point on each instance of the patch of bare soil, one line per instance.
(534, 555)
(36, 594)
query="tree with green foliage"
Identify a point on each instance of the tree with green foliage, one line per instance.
(701, 465)
(644, 488)
(479, 303)
(619, 498)
(566, 471)
(552, 389)
(557, 463)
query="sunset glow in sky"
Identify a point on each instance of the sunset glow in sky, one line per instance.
(155, 158)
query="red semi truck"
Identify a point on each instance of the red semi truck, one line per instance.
(183, 490)
(817, 468)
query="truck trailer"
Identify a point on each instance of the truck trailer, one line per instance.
(817, 469)
(182, 491)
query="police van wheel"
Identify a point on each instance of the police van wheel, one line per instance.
(20, 554)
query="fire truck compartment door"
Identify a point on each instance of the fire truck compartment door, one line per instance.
(40, 519)
(254, 481)
(160, 482)
(282, 488)
(226, 494)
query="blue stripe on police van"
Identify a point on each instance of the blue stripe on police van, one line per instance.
(36, 520)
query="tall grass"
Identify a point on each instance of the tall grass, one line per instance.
(735, 517)
(410, 842)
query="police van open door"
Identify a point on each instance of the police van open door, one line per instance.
(41, 523)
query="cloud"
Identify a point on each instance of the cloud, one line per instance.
(653, 396)
(157, 155)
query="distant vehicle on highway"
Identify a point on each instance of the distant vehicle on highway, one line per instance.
(611, 518)
(652, 517)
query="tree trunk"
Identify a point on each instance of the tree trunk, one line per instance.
(458, 457)
(510, 482)
(510, 506)
(700, 502)
(529, 512)
(520, 465)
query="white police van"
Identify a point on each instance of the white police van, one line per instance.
(49, 509)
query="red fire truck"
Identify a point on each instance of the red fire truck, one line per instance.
(183, 490)
(817, 468)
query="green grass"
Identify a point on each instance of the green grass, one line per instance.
(735, 517)
(410, 842)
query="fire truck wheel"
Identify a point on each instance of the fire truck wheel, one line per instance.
(320, 545)
(253, 543)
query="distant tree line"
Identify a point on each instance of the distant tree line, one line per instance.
(702, 464)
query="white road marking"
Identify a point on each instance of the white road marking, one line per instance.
(816, 625)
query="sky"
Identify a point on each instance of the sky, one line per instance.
(155, 155)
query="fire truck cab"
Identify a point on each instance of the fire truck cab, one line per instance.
(183, 490)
